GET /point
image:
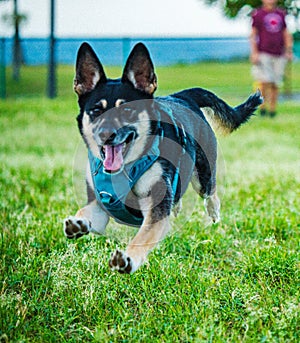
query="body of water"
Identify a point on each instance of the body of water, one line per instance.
(114, 51)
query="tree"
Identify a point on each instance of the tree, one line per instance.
(16, 19)
(233, 8)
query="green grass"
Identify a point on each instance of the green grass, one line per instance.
(226, 79)
(237, 281)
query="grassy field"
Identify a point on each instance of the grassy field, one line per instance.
(237, 281)
(232, 80)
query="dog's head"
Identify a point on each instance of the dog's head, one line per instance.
(114, 114)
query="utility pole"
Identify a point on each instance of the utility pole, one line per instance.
(2, 69)
(52, 63)
(17, 54)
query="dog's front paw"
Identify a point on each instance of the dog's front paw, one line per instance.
(76, 227)
(120, 262)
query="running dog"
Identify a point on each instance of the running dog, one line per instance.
(144, 151)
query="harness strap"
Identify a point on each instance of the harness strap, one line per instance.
(181, 137)
(111, 190)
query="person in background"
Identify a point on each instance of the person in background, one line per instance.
(271, 47)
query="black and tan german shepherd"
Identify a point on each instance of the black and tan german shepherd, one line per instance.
(144, 151)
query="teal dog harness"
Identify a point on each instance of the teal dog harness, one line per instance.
(111, 189)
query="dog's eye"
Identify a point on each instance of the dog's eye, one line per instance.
(95, 112)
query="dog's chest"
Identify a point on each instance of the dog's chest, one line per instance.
(112, 190)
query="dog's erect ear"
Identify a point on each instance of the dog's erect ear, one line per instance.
(139, 70)
(89, 70)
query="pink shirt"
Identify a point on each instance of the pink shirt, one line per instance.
(270, 26)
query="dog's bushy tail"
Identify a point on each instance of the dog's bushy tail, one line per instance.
(220, 115)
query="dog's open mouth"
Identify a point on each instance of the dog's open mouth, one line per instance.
(113, 155)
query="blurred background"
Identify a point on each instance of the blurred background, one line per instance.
(42, 37)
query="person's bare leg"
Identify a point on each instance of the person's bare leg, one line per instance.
(273, 99)
(264, 88)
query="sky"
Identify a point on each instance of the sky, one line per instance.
(119, 18)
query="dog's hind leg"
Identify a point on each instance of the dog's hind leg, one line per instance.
(90, 218)
(204, 183)
(212, 205)
(211, 199)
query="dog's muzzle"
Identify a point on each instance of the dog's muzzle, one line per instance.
(113, 151)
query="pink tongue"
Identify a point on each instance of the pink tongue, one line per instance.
(113, 157)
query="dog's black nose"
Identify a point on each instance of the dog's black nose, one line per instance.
(107, 135)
